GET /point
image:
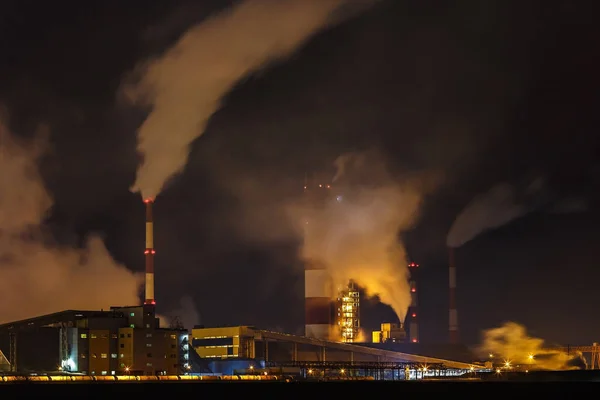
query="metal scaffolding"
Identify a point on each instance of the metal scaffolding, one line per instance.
(373, 370)
(348, 313)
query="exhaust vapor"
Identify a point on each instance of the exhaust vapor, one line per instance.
(185, 86)
(512, 345)
(40, 277)
(505, 203)
(355, 234)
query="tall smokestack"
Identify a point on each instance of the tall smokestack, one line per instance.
(453, 317)
(318, 305)
(149, 254)
(413, 313)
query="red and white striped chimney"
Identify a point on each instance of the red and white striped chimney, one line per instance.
(318, 305)
(453, 316)
(149, 254)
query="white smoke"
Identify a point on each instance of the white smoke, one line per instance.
(185, 86)
(39, 277)
(487, 211)
(355, 234)
(504, 203)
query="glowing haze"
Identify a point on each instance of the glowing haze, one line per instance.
(40, 277)
(511, 344)
(185, 86)
(355, 234)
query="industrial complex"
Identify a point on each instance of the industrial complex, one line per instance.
(127, 341)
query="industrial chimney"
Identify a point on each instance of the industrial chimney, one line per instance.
(413, 313)
(149, 254)
(453, 316)
(318, 305)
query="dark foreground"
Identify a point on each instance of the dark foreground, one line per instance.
(559, 382)
(103, 390)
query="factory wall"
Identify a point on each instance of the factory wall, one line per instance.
(223, 342)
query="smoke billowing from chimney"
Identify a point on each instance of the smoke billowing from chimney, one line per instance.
(511, 344)
(491, 210)
(356, 236)
(40, 277)
(185, 86)
(504, 203)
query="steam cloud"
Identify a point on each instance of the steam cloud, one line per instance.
(40, 277)
(504, 203)
(185, 86)
(511, 343)
(488, 211)
(355, 233)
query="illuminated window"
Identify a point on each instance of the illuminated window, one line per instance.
(131, 326)
(132, 314)
(148, 364)
(148, 344)
(122, 355)
(103, 355)
(113, 355)
(93, 336)
(148, 335)
(173, 336)
(94, 355)
(84, 335)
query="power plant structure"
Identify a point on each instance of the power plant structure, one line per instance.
(349, 313)
(453, 313)
(123, 340)
(413, 313)
(128, 340)
(149, 254)
(318, 286)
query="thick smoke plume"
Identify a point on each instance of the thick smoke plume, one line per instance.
(511, 344)
(355, 232)
(487, 211)
(40, 277)
(185, 86)
(504, 203)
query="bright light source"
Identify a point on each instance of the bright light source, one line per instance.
(530, 357)
(342, 371)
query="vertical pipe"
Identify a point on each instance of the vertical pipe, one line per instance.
(453, 316)
(413, 317)
(149, 253)
(317, 290)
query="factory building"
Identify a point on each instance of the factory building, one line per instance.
(390, 333)
(223, 342)
(348, 314)
(124, 340)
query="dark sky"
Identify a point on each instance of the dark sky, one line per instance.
(485, 91)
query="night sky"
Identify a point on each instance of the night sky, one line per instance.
(481, 92)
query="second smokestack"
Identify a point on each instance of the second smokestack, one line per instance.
(149, 253)
(453, 315)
